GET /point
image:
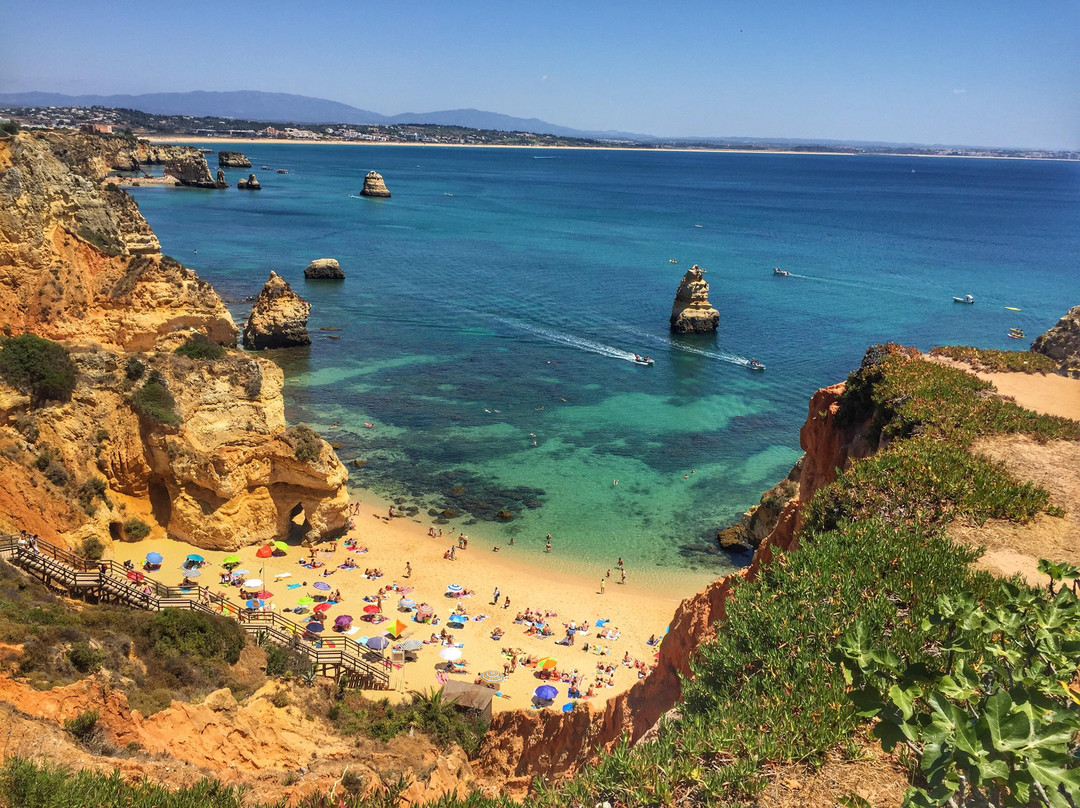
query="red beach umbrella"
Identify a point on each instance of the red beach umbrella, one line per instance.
(265, 551)
(322, 607)
(372, 609)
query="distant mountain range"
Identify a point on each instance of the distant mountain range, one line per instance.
(300, 109)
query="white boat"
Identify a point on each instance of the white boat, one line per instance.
(642, 360)
(783, 273)
(964, 299)
(753, 364)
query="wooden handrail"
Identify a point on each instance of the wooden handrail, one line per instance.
(78, 573)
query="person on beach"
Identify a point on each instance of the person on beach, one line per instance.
(548, 548)
(623, 574)
(408, 570)
(620, 563)
(506, 603)
(602, 585)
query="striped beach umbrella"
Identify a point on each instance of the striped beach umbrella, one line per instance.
(411, 645)
(454, 589)
(491, 677)
(546, 663)
(406, 603)
(190, 572)
(424, 609)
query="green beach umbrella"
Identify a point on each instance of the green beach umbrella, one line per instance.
(306, 600)
(233, 559)
(282, 546)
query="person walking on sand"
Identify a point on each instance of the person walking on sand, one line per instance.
(602, 585)
(408, 570)
(622, 572)
(495, 597)
(620, 564)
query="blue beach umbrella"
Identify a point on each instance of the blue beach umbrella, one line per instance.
(254, 603)
(154, 558)
(315, 628)
(454, 588)
(196, 558)
(323, 585)
(546, 692)
(377, 643)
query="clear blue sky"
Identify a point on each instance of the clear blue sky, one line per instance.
(962, 72)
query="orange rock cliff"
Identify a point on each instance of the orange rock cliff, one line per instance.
(80, 265)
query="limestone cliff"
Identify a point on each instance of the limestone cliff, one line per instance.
(374, 185)
(279, 317)
(1062, 343)
(209, 459)
(78, 262)
(232, 159)
(691, 312)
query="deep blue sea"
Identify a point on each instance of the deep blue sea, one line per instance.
(492, 305)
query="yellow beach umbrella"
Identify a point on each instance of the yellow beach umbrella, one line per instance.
(546, 663)
(396, 629)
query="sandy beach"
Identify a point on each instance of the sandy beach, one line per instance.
(634, 613)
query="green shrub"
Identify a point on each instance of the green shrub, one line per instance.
(136, 529)
(174, 632)
(10, 127)
(56, 474)
(83, 726)
(92, 548)
(198, 346)
(134, 369)
(307, 444)
(41, 368)
(84, 658)
(154, 401)
(998, 361)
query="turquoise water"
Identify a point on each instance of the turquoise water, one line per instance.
(495, 300)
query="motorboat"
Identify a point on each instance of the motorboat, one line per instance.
(1016, 333)
(753, 364)
(964, 299)
(642, 360)
(783, 273)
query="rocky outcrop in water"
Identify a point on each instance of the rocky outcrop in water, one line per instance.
(232, 159)
(79, 262)
(278, 319)
(250, 184)
(1062, 343)
(190, 170)
(691, 312)
(324, 269)
(220, 182)
(374, 185)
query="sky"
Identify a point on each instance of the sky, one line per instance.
(986, 73)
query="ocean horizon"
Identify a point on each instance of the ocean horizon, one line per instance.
(493, 305)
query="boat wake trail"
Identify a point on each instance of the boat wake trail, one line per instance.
(720, 355)
(569, 340)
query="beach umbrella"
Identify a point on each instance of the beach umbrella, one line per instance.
(371, 609)
(254, 603)
(306, 600)
(377, 643)
(196, 558)
(233, 559)
(568, 707)
(154, 558)
(424, 609)
(322, 607)
(282, 546)
(546, 663)
(546, 692)
(491, 677)
(412, 645)
(322, 585)
(190, 573)
(343, 620)
(396, 629)
(265, 551)
(264, 595)
(450, 654)
(315, 627)
(406, 603)
(253, 583)
(239, 572)
(454, 588)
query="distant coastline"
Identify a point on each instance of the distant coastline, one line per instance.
(189, 140)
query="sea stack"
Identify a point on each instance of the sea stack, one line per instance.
(278, 319)
(188, 167)
(691, 312)
(1062, 343)
(221, 182)
(324, 269)
(374, 185)
(250, 184)
(232, 159)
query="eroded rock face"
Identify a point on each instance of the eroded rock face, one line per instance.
(278, 319)
(232, 159)
(374, 185)
(190, 170)
(78, 262)
(324, 268)
(1062, 343)
(220, 181)
(691, 312)
(250, 184)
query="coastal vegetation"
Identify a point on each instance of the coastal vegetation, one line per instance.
(41, 368)
(198, 346)
(154, 401)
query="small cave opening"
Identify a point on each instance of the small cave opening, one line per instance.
(160, 502)
(298, 523)
(116, 531)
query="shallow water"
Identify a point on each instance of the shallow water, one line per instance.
(496, 300)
